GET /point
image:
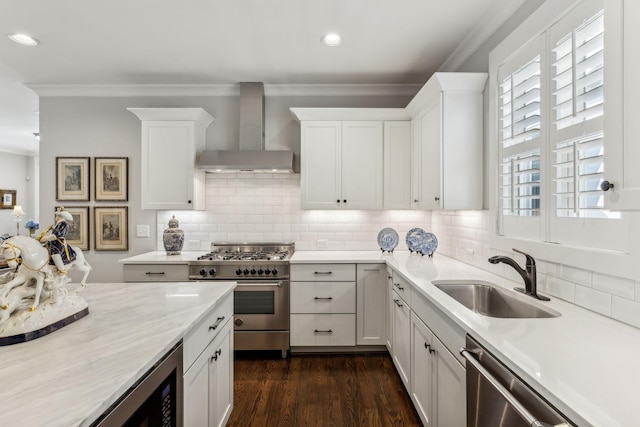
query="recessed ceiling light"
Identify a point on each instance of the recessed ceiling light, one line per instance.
(331, 39)
(23, 39)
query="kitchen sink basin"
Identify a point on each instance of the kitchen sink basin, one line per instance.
(489, 300)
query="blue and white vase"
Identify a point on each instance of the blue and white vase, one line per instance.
(173, 238)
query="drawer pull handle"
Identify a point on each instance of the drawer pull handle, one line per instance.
(215, 325)
(322, 272)
(318, 331)
(217, 353)
(322, 299)
(151, 273)
(371, 269)
(397, 285)
(397, 303)
(428, 347)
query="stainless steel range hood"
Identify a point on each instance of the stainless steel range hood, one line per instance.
(251, 155)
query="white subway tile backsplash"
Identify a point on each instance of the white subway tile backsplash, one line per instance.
(626, 311)
(594, 300)
(577, 275)
(624, 288)
(266, 207)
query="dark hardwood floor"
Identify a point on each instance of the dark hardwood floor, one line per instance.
(319, 390)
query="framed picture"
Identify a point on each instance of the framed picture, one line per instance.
(7, 199)
(78, 233)
(110, 228)
(112, 179)
(72, 178)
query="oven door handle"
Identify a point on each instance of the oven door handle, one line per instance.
(264, 284)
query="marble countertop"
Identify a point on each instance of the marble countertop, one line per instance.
(582, 362)
(71, 376)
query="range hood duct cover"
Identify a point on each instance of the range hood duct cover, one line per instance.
(251, 155)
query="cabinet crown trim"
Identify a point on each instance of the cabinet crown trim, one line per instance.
(349, 114)
(174, 114)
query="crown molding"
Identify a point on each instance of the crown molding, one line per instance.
(109, 90)
(482, 31)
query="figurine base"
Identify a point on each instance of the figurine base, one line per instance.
(48, 317)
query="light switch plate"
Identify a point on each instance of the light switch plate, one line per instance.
(142, 231)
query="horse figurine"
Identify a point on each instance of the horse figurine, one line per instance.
(32, 260)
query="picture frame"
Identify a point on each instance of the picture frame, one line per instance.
(72, 178)
(8, 199)
(78, 233)
(111, 179)
(110, 226)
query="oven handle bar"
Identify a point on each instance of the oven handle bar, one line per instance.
(517, 406)
(265, 284)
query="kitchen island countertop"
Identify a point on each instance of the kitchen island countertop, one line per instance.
(71, 376)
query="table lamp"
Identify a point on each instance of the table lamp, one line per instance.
(17, 212)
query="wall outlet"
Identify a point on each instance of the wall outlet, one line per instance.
(322, 243)
(142, 231)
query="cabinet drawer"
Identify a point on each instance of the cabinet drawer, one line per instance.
(206, 331)
(323, 297)
(402, 287)
(323, 272)
(323, 330)
(155, 272)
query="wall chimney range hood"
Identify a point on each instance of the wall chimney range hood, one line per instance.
(251, 155)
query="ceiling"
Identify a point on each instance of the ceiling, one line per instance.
(206, 42)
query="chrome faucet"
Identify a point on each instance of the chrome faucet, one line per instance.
(528, 273)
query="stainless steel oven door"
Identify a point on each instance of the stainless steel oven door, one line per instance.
(261, 305)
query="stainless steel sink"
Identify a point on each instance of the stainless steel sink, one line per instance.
(488, 300)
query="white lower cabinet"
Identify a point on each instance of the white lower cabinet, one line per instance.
(437, 379)
(433, 376)
(401, 338)
(208, 381)
(371, 305)
(389, 310)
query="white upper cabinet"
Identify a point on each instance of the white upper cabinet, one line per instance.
(397, 165)
(622, 86)
(171, 138)
(447, 142)
(354, 158)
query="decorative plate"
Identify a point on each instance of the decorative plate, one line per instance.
(388, 239)
(429, 244)
(415, 238)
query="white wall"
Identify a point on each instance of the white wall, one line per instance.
(101, 126)
(17, 173)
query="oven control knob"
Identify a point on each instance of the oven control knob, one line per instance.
(253, 271)
(239, 271)
(274, 271)
(212, 272)
(238, 322)
(260, 271)
(203, 272)
(246, 272)
(267, 271)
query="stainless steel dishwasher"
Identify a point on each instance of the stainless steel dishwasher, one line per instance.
(496, 397)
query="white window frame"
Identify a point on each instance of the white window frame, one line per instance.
(604, 261)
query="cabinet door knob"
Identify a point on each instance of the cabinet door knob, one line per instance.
(189, 201)
(415, 200)
(338, 201)
(344, 201)
(606, 186)
(437, 199)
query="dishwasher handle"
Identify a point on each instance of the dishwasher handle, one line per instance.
(515, 404)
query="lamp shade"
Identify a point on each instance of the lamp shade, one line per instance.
(17, 211)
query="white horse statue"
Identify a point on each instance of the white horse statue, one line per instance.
(32, 260)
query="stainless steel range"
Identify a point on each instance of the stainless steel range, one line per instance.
(261, 299)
